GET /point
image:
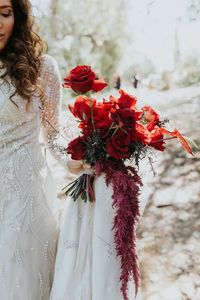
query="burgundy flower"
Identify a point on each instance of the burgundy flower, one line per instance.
(76, 148)
(126, 190)
(118, 146)
(125, 117)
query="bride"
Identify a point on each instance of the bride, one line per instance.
(86, 264)
(29, 93)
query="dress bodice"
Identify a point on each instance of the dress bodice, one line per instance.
(17, 126)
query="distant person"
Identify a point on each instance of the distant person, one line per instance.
(135, 81)
(118, 83)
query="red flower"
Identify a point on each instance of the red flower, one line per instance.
(118, 146)
(76, 148)
(82, 80)
(150, 114)
(81, 108)
(151, 117)
(125, 117)
(86, 109)
(98, 85)
(178, 135)
(157, 141)
(101, 117)
(126, 100)
(110, 105)
(141, 134)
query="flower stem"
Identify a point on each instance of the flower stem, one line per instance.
(111, 126)
(92, 115)
(115, 131)
(170, 138)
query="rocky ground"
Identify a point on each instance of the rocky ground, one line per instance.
(169, 232)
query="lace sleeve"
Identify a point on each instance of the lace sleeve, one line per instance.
(54, 139)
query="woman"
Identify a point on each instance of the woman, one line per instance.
(29, 100)
(87, 267)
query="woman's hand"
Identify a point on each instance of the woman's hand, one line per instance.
(75, 166)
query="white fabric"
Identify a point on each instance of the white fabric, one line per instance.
(28, 229)
(86, 265)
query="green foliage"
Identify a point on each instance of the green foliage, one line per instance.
(85, 32)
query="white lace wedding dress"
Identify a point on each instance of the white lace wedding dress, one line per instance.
(28, 229)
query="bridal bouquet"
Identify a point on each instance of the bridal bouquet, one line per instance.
(112, 133)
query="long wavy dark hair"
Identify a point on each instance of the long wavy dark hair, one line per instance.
(22, 56)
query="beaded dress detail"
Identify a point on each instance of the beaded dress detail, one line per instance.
(28, 228)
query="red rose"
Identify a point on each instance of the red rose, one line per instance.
(126, 100)
(86, 129)
(76, 148)
(118, 146)
(82, 80)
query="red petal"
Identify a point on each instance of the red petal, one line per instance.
(99, 85)
(126, 100)
(183, 141)
(177, 134)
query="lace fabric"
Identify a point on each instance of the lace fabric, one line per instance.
(28, 228)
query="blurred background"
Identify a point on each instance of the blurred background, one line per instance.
(152, 50)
